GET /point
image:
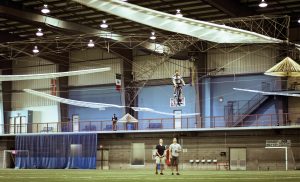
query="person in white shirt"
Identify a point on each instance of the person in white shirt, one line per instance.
(175, 149)
(178, 83)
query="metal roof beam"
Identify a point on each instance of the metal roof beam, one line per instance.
(295, 34)
(232, 8)
(66, 25)
(8, 37)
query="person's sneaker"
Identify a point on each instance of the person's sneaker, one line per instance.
(177, 174)
(172, 173)
(161, 173)
(156, 173)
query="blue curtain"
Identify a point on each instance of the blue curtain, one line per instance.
(73, 151)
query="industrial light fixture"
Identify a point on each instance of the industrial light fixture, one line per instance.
(39, 33)
(221, 99)
(152, 37)
(178, 13)
(35, 50)
(91, 44)
(263, 4)
(45, 9)
(103, 25)
(299, 20)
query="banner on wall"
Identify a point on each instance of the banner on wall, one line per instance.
(173, 102)
(53, 87)
(118, 82)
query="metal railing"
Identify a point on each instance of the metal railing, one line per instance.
(255, 120)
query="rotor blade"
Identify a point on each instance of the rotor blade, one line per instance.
(145, 109)
(70, 101)
(96, 105)
(268, 93)
(186, 26)
(51, 75)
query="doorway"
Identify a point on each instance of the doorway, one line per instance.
(137, 153)
(8, 159)
(238, 159)
(103, 159)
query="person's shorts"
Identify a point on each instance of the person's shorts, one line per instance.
(160, 160)
(174, 161)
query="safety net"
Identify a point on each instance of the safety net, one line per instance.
(72, 151)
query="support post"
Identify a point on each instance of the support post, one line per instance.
(63, 86)
(130, 97)
(286, 159)
(6, 93)
(200, 59)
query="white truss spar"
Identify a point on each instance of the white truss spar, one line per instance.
(95, 105)
(51, 75)
(195, 28)
(268, 93)
(70, 101)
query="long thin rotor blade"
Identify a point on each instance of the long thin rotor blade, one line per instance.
(145, 109)
(51, 75)
(187, 26)
(96, 105)
(70, 101)
(268, 93)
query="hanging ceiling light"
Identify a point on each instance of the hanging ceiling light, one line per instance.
(299, 20)
(263, 4)
(35, 50)
(91, 44)
(39, 33)
(103, 24)
(152, 37)
(45, 9)
(178, 13)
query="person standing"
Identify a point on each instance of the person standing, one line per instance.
(178, 83)
(160, 157)
(114, 120)
(175, 149)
